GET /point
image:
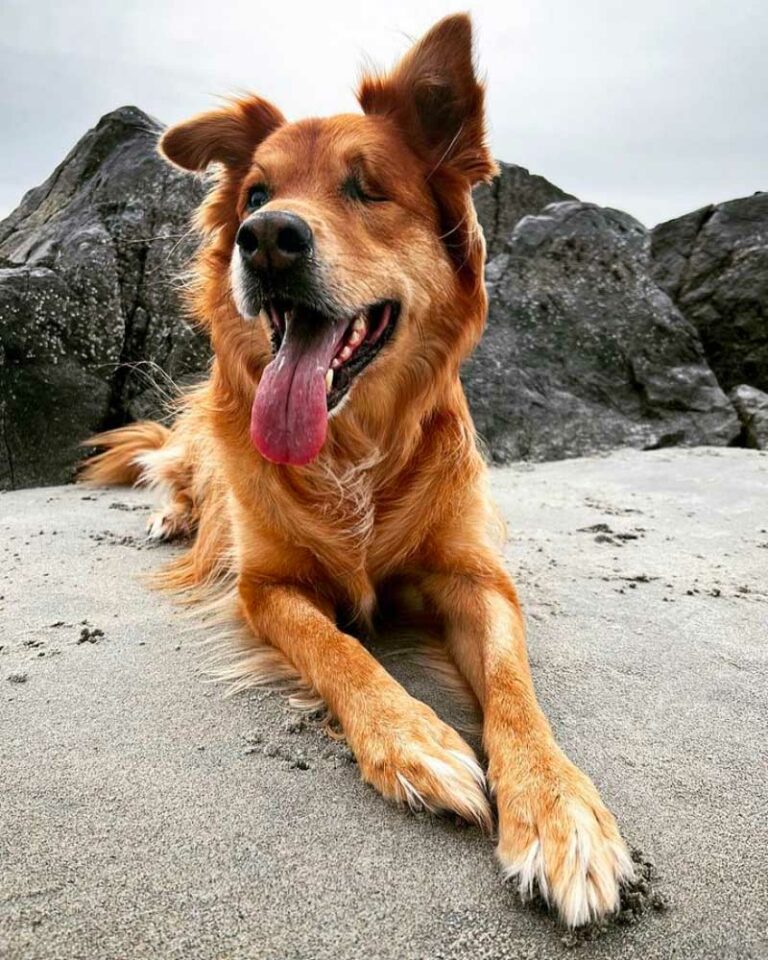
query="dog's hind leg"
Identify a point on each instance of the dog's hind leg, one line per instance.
(169, 471)
(174, 518)
(150, 455)
(402, 747)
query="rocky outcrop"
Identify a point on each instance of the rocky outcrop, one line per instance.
(514, 193)
(751, 405)
(583, 351)
(714, 265)
(91, 329)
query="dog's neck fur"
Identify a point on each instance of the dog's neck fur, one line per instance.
(365, 506)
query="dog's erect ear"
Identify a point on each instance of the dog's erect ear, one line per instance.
(228, 135)
(437, 101)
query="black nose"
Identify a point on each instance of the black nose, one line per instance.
(274, 240)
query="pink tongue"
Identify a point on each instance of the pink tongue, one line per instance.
(289, 417)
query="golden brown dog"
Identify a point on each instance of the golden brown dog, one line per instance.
(331, 454)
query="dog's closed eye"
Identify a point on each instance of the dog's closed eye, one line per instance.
(356, 189)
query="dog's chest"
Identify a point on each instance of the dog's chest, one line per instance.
(348, 534)
(359, 549)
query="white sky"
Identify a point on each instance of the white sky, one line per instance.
(656, 107)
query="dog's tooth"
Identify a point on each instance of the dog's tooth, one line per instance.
(345, 353)
(359, 325)
(335, 363)
(329, 380)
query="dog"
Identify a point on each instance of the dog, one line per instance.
(329, 461)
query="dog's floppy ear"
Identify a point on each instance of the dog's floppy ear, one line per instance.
(437, 101)
(228, 135)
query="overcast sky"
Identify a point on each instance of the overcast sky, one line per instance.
(656, 107)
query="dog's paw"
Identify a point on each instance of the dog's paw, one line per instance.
(168, 523)
(557, 837)
(411, 756)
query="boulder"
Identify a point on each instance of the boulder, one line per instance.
(583, 351)
(91, 329)
(512, 195)
(752, 407)
(714, 265)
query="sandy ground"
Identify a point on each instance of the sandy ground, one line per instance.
(142, 815)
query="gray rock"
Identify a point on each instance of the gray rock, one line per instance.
(714, 265)
(583, 351)
(514, 194)
(752, 407)
(91, 329)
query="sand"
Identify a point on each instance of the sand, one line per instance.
(143, 815)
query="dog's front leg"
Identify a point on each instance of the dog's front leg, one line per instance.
(554, 830)
(402, 747)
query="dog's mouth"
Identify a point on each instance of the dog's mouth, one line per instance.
(362, 338)
(317, 359)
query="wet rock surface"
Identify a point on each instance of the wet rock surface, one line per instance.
(145, 815)
(583, 351)
(92, 333)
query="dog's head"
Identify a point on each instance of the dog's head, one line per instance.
(352, 240)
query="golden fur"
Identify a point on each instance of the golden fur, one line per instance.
(396, 499)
